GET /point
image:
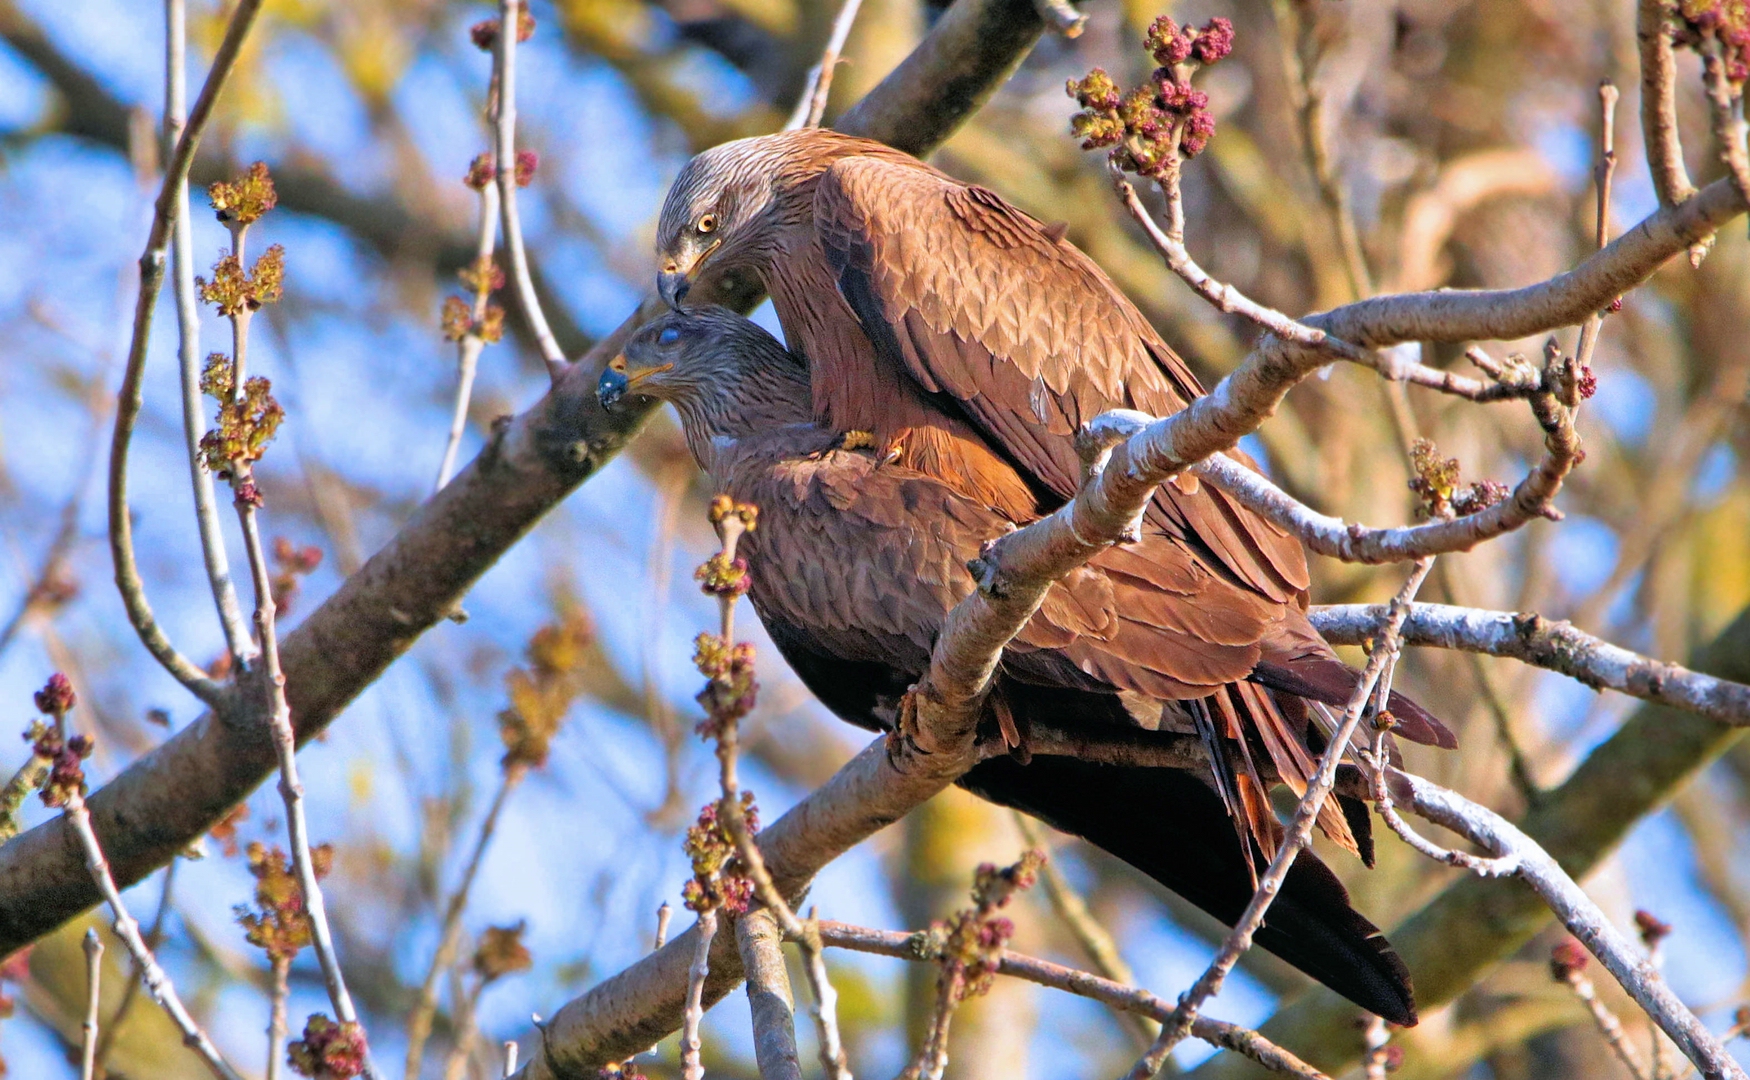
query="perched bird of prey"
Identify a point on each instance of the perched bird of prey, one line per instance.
(969, 342)
(859, 557)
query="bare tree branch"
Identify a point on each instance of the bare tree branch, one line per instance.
(1241, 1040)
(1583, 918)
(509, 30)
(1553, 644)
(1473, 924)
(188, 326)
(1299, 833)
(768, 996)
(811, 106)
(93, 999)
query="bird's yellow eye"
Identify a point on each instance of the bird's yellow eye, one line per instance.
(708, 223)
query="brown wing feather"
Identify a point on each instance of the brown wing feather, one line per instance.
(971, 298)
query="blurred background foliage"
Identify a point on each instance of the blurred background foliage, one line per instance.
(1462, 133)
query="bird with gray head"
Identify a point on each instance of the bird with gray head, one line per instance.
(855, 565)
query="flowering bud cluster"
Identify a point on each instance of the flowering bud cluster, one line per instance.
(244, 200)
(1439, 486)
(1150, 128)
(277, 923)
(245, 424)
(328, 1050)
(1728, 22)
(49, 742)
(719, 881)
(970, 945)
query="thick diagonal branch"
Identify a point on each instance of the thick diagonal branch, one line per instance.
(161, 802)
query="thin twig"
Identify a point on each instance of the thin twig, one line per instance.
(691, 1067)
(469, 346)
(165, 215)
(276, 1015)
(1299, 832)
(1609, 1026)
(157, 982)
(508, 22)
(510, 1051)
(811, 106)
(154, 938)
(269, 680)
(1295, 32)
(467, 1031)
(1659, 128)
(731, 521)
(188, 326)
(1062, 17)
(1094, 939)
(450, 936)
(916, 948)
(1728, 127)
(93, 999)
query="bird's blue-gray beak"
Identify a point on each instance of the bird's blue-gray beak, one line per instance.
(672, 286)
(620, 378)
(612, 386)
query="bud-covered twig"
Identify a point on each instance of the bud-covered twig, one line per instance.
(969, 948)
(66, 788)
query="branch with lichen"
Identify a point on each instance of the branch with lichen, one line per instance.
(1512, 853)
(1553, 644)
(65, 788)
(922, 948)
(728, 697)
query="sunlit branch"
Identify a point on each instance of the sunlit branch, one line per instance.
(1510, 851)
(768, 996)
(1547, 643)
(1299, 833)
(508, 29)
(188, 326)
(164, 217)
(88, 1033)
(811, 106)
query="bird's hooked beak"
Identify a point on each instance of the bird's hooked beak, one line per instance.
(673, 281)
(620, 378)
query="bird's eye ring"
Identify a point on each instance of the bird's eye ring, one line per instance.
(669, 335)
(708, 223)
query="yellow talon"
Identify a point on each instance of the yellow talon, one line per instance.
(857, 440)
